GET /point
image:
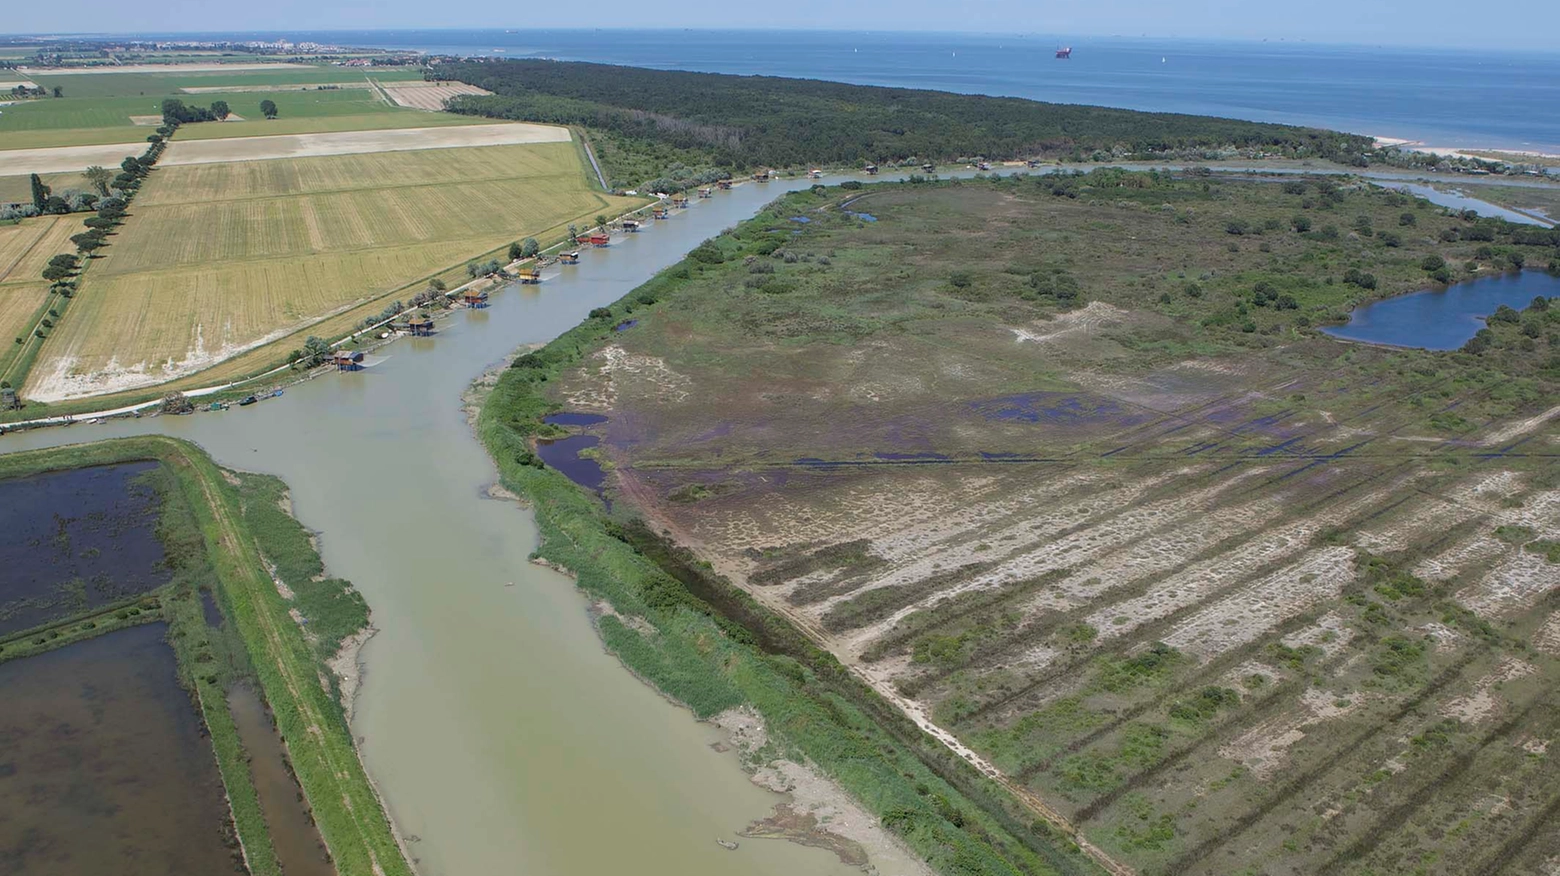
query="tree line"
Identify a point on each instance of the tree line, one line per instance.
(754, 121)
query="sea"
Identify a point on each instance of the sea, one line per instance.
(1489, 98)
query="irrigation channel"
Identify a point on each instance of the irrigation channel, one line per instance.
(502, 736)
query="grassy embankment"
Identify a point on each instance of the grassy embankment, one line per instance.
(219, 531)
(713, 658)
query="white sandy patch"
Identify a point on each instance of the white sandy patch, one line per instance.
(1520, 427)
(1095, 316)
(1247, 614)
(813, 792)
(1547, 639)
(1512, 585)
(1482, 703)
(1265, 748)
(7, 86)
(621, 370)
(147, 121)
(183, 152)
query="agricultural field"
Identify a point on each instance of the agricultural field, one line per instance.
(219, 259)
(118, 107)
(25, 248)
(1062, 468)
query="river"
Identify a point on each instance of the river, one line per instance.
(503, 737)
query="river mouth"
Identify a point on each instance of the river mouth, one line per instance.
(1443, 319)
(106, 768)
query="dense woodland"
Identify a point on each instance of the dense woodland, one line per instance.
(738, 122)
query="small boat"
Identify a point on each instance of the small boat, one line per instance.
(276, 393)
(247, 400)
(726, 844)
(217, 406)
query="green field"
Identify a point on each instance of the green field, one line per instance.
(217, 259)
(96, 108)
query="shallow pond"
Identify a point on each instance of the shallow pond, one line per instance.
(293, 834)
(75, 540)
(1443, 319)
(104, 766)
(563, 454)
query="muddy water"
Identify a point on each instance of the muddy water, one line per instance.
(293, 834)
(503, 738)
(103, 764)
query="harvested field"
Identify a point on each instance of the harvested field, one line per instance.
(219, 259)
(1230, 596)
(183, 152)
(429, 95)
(63, 159)
(289, 86)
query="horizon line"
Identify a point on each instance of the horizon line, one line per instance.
(1255, 40)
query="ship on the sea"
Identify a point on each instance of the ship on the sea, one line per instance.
(1064, 52)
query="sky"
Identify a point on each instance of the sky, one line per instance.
(1512, 24)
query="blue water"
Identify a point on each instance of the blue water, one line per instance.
(1483, 98)
(563, 454)
(574, 418)
(1444, 319)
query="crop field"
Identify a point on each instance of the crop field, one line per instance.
(221, 258)
(25, 248)
(101, 109)
(429, 95)
(1060, 467)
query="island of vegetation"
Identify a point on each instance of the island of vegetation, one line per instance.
(175, 609)
(1039, 514)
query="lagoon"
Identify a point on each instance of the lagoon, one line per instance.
(1444, 319)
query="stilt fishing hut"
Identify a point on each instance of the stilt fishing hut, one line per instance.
(572, 257)
(420, 326)
(929, 168)
(725, 184)
(631, 225)
(679, 201)
(761, 176)
(704, 192)
(599, 238)
(531, 276)
(871, 170)
(815, 173)
(477, 298)
(348, 360)
(659, 212)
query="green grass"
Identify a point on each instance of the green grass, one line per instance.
(139, 84)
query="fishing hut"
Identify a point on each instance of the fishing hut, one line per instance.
(761, 176)
(725, 184)
(418, 326)
(929, 168)
(530, 276)
(871, 170)
(630, 225)
(477, 298)
(660, 212)
(347, 360)
(704, 192)
(598, 239)
(815, 173)
(679, 201)
(571, 257)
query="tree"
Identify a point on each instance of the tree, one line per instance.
(99, 177)
(529, 247)
(473, 270)
(601, 221)
(56, 204)
(574, 232)
(58, 91)
(88, 241)
(40, 193)
(219, 108)
(515, 253)
(268, 108)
